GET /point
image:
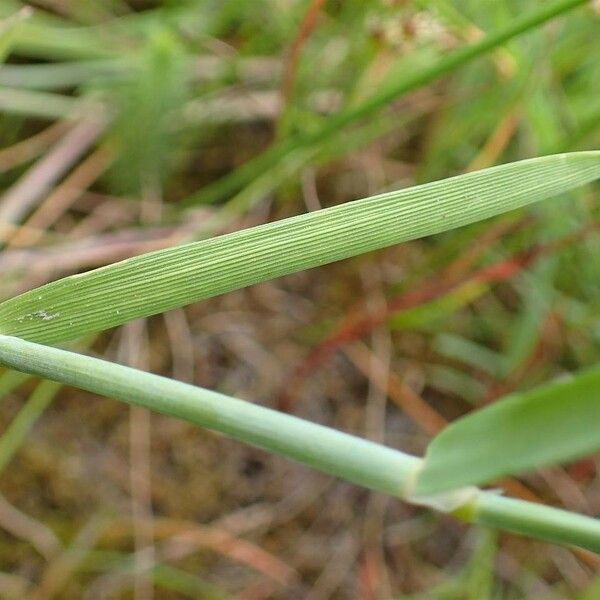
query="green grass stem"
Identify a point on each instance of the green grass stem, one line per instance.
(238, 179)
(357, 460)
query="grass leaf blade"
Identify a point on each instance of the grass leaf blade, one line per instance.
(167, 279)
(547, 425)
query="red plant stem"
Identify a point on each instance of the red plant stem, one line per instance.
(291, 62)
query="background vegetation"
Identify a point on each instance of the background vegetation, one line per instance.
(131, 126)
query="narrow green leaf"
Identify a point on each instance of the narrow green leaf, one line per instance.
(479, 574)
(390, 90)
(16, 433)
(547, 425)
(10, 381)
(60, 75)
(163, 575)
(469, 352)
(32, 103)
(48, 36)
(163, 280)
(8, 30)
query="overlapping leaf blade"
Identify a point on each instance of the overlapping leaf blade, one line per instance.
(550, 424)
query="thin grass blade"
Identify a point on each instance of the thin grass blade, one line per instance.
(171, 278)
(8, 30)
(395, 88)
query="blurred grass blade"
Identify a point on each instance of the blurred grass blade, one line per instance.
(391, 90)
(163, 575)
(42, 105)
(547, 425)
(167, 279)
(8, 30)
(14, 436)
(10, 381)
(155, 95)
(47, 36)
(55, 76)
